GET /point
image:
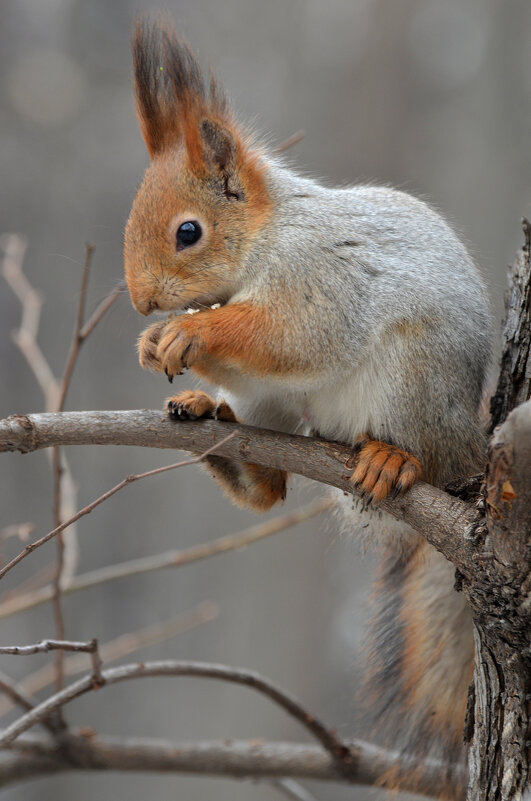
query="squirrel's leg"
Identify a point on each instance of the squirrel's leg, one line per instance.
(382, 469)
(248, 485)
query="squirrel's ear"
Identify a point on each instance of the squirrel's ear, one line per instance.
(219, 146)
(220, 153)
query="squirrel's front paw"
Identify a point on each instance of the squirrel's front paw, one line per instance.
(382, 469)
(147, 346)
(178, 346)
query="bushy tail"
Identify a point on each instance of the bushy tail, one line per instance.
(420, 661)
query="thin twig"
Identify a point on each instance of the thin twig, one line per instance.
(97, 663)
(76, 337)
(101, 309)
(168, 559)
(176, 668)
(57, 458)
(20, 530)
(289, 142)
(60, 631)
(293, 790)
(18, 694)
(121, 646)
(106, 495)
(20, 697)
(31, 586)
(25, 337)
(45, 646)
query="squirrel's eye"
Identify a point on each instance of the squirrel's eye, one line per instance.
(188, 234)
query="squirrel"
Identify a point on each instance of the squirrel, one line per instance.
(355, 314)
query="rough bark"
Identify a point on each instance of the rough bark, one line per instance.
(514, 382)
(500, 595)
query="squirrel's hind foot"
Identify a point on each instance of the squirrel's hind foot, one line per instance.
(382, 469)
(193, 404)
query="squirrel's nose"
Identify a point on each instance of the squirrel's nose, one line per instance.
(145, 305)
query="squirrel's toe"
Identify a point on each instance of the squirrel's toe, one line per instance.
(190, 405)
(382, 469)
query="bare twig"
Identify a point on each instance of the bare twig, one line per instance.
(76, 337)
(20, 530)
(44, 646)
(106, 495)
(175, 668)
(101, 310)
(242, 759)
(57, 458)
(124, 645)
(26, 336)
(289, 142)
(167, 559)
(293, 790)
(31, 586)
(20, 697)
(26, 339)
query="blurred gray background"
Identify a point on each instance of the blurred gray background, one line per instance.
(432, 96)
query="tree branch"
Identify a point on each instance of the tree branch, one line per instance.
(238, 759)
(445, 521)
(45, 646)
(175, 668)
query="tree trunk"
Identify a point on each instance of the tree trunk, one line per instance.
(500, 593)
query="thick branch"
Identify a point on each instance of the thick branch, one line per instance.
(445, 521)
(240, 759)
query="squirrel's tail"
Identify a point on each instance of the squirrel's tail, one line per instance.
(421, 655)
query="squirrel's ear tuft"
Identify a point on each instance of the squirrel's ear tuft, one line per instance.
(171, 95)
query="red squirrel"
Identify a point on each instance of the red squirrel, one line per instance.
(354, 313)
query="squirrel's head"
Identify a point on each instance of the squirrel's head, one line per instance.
(203, 198)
